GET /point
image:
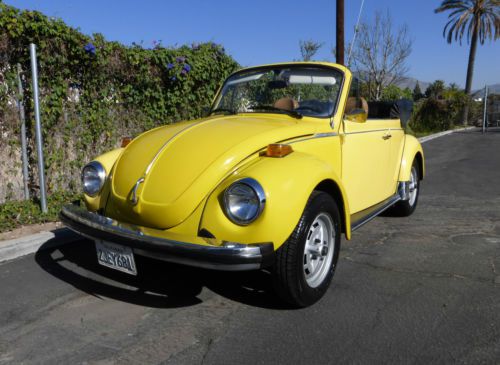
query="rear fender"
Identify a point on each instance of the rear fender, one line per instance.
(412, 150)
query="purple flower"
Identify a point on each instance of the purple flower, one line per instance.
(186, 68)
(89, 48)
(195, 46)
(180, 59)
(170, 66)
(173, 78)
(213, 45)
(183, 72)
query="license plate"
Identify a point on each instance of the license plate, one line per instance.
(115, 257)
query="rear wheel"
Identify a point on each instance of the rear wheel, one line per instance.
(305, 263)
(404, 208)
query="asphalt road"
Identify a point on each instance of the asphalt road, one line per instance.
(424, 289)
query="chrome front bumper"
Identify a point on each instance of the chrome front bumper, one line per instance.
(157, 244)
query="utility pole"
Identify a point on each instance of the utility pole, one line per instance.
(485, 110)
(340, 32)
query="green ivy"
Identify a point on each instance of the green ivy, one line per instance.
(94, 91)
(18, 213)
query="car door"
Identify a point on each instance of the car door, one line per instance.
(365, 162)
(397, 138)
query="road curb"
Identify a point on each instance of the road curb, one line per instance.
(442, 134)
(22, 246)
(18, 247)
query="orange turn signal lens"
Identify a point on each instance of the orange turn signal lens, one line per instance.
(278, 150)
(126, 141)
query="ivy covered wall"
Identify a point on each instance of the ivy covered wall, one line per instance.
(92, 92)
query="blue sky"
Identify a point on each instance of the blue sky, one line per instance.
(256, 32)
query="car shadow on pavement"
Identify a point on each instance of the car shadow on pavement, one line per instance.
(158, 284)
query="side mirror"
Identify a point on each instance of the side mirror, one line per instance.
(405, 110)
(357, 116)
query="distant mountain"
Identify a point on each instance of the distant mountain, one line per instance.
(406, 82)
(492, 89)
(410, 82)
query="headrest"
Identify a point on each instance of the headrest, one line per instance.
(354, 103)
(286, 104)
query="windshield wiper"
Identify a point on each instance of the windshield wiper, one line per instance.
(223, 110)
(292, 113)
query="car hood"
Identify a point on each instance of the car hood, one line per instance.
(178, 165)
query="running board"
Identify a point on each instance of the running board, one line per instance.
(360, 218)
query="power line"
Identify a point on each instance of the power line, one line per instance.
(355, 32)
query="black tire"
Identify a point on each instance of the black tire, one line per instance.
(289, 272)
(405, 208)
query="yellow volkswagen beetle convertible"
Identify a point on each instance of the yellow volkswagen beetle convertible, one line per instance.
(289, 157)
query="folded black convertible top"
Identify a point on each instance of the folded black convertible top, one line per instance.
(398, 109)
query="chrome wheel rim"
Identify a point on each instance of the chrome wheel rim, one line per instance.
(413, 186)
(319, 250)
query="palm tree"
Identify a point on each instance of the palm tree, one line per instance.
(481, 20)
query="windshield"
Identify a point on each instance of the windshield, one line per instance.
(297, 91)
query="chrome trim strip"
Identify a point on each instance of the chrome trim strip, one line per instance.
(370, 131)
(372, 212)
(323, 135)
(318, 135)
(374, 130)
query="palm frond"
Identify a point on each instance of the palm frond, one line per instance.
(465, 15)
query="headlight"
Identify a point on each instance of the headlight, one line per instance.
(93, 176)
(244, 201)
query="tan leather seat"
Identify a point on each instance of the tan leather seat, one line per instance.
(286, 103)
(354, 103)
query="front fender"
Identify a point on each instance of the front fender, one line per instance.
(288, 182)
(412, 150)
(107, 160)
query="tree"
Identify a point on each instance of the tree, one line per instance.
(417, 92)
(393, 92)
(380, 54)
(407, 93)
(481, 19)
(435, 90)
(308, 49)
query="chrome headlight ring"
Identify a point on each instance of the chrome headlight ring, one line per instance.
(244, 201)
(93, 177)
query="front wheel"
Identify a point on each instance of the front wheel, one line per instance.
(305, 263)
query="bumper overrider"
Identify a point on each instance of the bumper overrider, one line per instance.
(207, 253)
